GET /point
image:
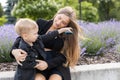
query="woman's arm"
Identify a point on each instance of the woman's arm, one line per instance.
(58, 60)
(51, 35)
(52, 63)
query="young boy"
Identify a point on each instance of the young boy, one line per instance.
(32, 43)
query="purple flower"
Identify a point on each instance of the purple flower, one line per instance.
(7, 33)
(7, 37)
(98, 33)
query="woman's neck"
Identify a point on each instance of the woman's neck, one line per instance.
(52, 28)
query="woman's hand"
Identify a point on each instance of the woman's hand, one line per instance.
(42, 65)
(61, 30)
(19, 55)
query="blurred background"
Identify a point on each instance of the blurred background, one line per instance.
(100, 20)
(87, 10)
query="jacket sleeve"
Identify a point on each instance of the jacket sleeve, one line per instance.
(15, 46)
(29, 63)
(56, 61)
(49, 36)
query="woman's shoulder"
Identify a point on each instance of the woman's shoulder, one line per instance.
(43, 25)
(42, 21)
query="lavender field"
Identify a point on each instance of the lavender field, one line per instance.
(7, 37)
(98, 36)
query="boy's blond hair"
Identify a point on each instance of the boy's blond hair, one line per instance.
(24, 25)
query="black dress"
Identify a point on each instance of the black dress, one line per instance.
(56, 45)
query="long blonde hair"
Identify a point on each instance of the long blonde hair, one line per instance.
(71, 48)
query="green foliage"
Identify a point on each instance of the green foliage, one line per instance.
(118, 47)
(8, 9)
(115, 11)
(35, 9)
(93, 44)
(5, 52)
(107, 9)
(104, 9)
(1, 10)
(73, 3)
(89, 12)
(3, 20)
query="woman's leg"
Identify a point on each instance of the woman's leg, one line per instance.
(55, 77)
(39, 77)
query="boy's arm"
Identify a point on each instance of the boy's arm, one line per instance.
(15, 46)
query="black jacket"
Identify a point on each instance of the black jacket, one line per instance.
(27, 70)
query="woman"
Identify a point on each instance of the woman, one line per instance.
(65, 48)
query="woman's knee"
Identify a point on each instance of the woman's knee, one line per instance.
(55, 77)
(40, 77)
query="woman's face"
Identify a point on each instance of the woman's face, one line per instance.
(60, 21)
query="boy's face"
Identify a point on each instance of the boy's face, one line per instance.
(32, 35)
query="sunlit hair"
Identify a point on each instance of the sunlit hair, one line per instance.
(24, 25)
(71, 47)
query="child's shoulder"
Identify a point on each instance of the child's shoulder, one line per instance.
(23, 45)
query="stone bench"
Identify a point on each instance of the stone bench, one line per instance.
(108, 71)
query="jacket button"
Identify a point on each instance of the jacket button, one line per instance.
(36, 56)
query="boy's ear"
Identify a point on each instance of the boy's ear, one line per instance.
(24, 35)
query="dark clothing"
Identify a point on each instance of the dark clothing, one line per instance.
(27, 70)
(56, 45)
(48, 72)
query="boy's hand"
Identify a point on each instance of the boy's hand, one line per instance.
(42, 65)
